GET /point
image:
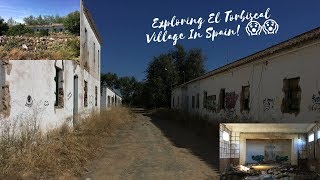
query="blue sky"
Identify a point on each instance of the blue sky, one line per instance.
(123, 25)
(18, 9)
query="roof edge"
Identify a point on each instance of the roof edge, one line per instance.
(91, 22)
(274, 49)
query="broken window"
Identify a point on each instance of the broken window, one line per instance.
(222, 99)
(311, 138)
(211, 103)
(197, 105)
(98, 61)
(291, 100)
(178, 101)
(245, 98)
(193, 101)
(205, 97)
(225, 136)
(108, 101)
(96, 97)
(311, 145)
(172, 101)
(94, 53)
(85, 94)
(59, 101)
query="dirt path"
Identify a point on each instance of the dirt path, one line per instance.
(155, 149)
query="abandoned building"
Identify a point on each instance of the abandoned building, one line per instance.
(53, 91)
(110, 97)
(49, 28)
(278, 84)
(270, 150)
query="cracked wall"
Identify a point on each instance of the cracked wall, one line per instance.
(4, 90)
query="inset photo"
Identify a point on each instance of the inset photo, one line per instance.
(40, 30)
(269, 151)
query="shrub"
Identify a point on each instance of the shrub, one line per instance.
(3, 27)
(72, 23)
(18, 30)
(11, 44)
(43, 32)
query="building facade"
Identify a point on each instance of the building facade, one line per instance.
(52, 92)
(110, 98)
(278, 84)
(49, 28)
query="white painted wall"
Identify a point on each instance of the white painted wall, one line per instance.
(257, 147)
(266, 81)
(293, 137)
(2, 83)
(106, 91)
(32, 86)
(36, 79)
(88, 39)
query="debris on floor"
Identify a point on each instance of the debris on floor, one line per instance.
(268, 172)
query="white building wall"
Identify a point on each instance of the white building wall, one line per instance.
(115, 99)
(265, 77)
(90, 44)
(2, 83)
(35, 79)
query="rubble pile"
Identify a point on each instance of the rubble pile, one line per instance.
(281, 172)
(60, 46)
(34, 43)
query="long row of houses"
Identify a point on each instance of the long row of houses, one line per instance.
(278, 84)
(53, 91)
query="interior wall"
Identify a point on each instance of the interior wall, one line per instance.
(269, 148)
(295, 145)
(313, 149)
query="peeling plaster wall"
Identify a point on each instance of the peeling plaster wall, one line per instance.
(265, 77)
(104, 98)
(282, 147)
(2, 82)
(276, 136)
(32, 91)
(90, 46)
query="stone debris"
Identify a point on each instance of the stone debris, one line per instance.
(282, 172)
(26, 43)
(25, 47)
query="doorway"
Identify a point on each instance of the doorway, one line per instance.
(75, 100)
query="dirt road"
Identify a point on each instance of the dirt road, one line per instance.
(156, 149)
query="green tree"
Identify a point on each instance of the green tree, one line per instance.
(3, 27)
(169, 70)
(12, 22)
(18, 30)
(129, 88)
(189, 64)
(43, 20)
(194, 65)
(179, 56)
(110, 80)
(30, 20)
(160, 79)
(72, 23)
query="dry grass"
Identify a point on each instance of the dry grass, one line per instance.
(17, 54)
(61, 153)
(60, 47)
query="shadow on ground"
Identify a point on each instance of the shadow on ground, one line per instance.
(205, 147)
